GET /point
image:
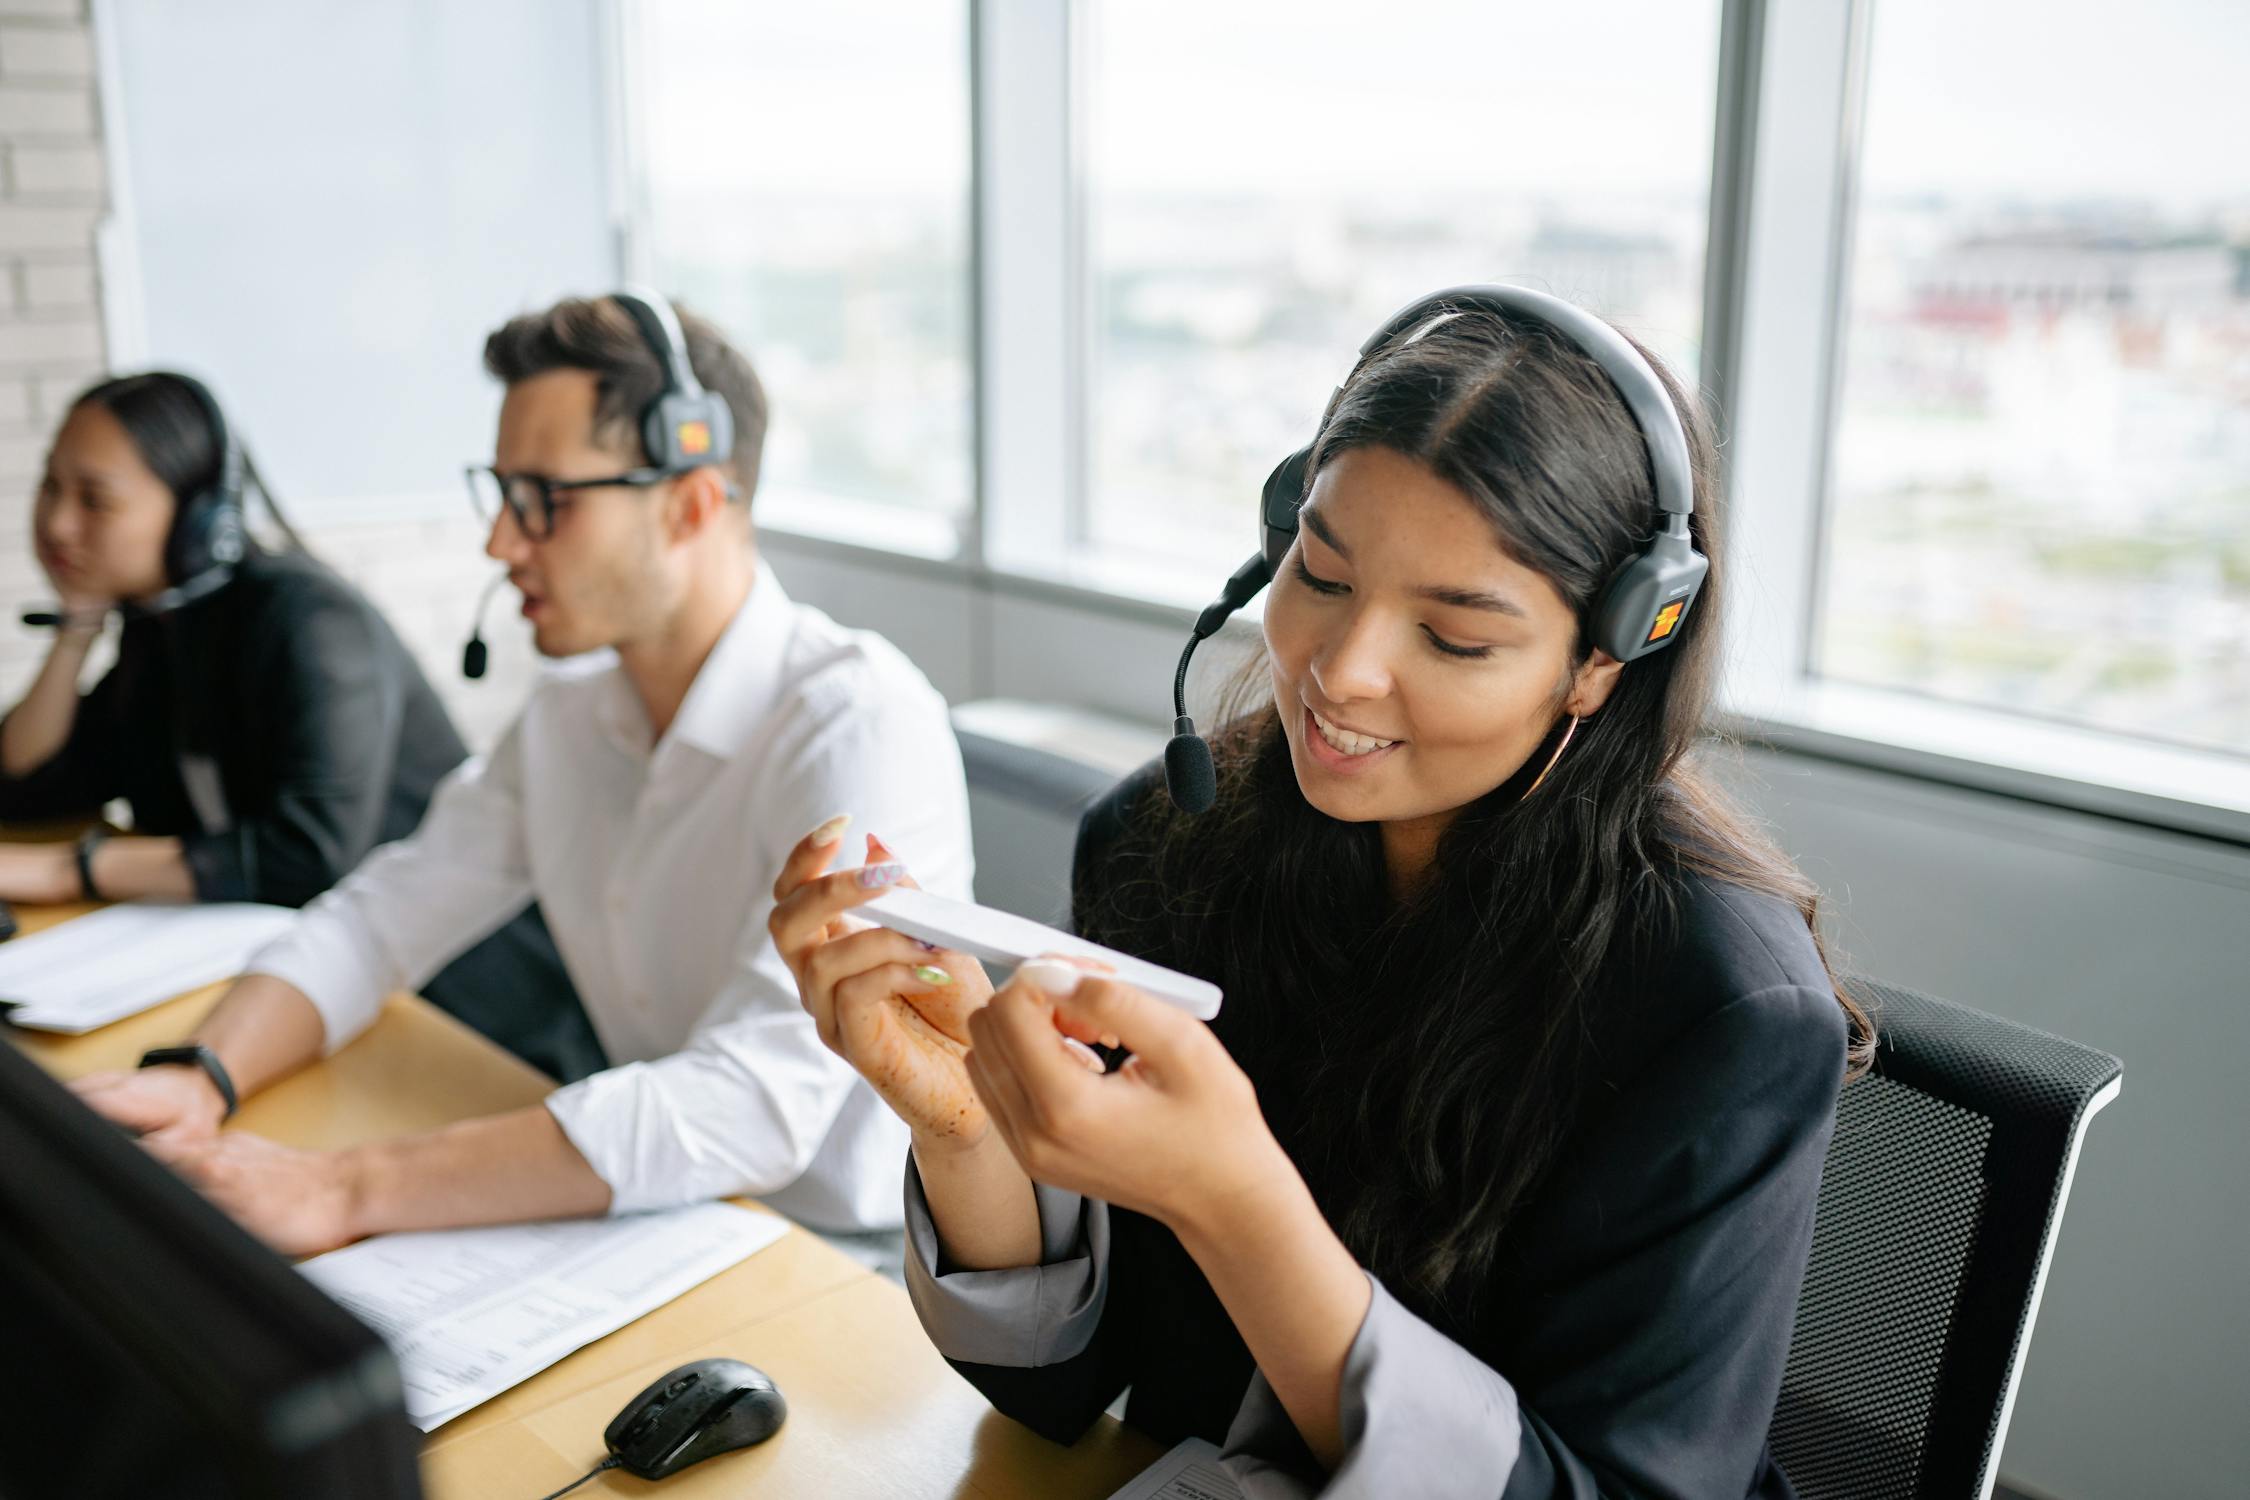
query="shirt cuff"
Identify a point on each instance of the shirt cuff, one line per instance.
(1022, 1317)
(335, 963)
(1415, 1405)
(220, 865)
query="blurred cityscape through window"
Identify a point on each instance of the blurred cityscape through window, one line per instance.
(2041, 473)
(1248, 224)
(806, 185)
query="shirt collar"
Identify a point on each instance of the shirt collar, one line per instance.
(740, 681)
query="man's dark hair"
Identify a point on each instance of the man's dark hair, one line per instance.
(596, 334)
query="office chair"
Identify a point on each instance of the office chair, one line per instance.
(1943, 1189)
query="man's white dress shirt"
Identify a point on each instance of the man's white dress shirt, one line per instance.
(655, 866)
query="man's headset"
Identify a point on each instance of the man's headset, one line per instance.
(208, 536)
(1641, 611)
(684, 427)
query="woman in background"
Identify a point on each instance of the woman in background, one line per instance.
(262, 720)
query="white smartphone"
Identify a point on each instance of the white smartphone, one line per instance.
(1004, 938)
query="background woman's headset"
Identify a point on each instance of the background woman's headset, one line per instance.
(684, 427)
(1643, 608)
(209, 535)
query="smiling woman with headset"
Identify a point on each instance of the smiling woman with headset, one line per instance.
(1496, 1173)
(262, 720)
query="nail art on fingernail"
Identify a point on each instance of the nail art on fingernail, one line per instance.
(830, 831)
(875, 877)
(1084, 1054)
(932, 974)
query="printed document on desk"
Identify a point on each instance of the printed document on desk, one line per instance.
(1189, 1472)
(473, 1312)
(119, 961)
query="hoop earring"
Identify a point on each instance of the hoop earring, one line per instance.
(1550, 765)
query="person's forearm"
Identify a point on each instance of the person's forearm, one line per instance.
(500, 1169)
(1294, 1293)
(980, 1202)
(142, 869)
(263, 1029)
(39, 726)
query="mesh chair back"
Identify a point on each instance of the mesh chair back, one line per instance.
(1943, 1189)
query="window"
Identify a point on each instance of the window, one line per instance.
(2041, 464)
(1269, 181)
(803, 174)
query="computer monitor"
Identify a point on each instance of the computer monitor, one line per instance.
(149, 1346)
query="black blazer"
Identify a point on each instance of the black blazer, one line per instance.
(326, 738)
(1645, 1292)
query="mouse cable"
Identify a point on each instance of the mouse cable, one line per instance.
(610, 1462)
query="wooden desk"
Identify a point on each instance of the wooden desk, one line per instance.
(873, 1410)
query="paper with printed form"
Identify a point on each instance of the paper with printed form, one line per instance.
(121, 960)
(1189, 1472)
(473, 1312)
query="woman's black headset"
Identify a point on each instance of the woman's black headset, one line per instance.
(209, 535)
(1645, 605)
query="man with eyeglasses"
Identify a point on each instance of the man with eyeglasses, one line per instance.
(646, 797)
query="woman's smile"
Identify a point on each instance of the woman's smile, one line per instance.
(1342, 750)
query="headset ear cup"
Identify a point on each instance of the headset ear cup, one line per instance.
(207, 535)
(1284, 494)
(227, 541)
(187, 549)
(684, 432)
(1647, 604)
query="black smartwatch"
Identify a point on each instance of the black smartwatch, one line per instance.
(200, 1056)
(88, 842)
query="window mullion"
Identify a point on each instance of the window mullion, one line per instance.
(1026, 305)
(1784, 361)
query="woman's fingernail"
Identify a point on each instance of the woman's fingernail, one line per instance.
(830, 831)
(1051, 975)
(875, 877)
(1084, 1053)
(925, 947)
(932, 974)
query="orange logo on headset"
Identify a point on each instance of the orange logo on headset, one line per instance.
(1667, 620)
(695, 437)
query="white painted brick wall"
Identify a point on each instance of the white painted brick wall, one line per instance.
(55, 171)
(50, 326)
(41, 107)
(45, 52)
(43, 10)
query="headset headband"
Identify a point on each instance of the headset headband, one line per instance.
(1644, 393)
(228, 484)
(660, 328)
(686, 426)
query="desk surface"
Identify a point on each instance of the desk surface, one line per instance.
(873, 1410)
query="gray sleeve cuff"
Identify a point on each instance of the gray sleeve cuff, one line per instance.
(1421, 1416)
(1025, 1316)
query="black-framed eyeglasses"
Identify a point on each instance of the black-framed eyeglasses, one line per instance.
(533, 499)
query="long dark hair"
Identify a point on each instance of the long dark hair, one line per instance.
(173, 436)
(1423, 1059)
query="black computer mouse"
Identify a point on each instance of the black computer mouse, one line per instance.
(693, 1413)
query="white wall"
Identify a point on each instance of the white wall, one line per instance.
(326, 204)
